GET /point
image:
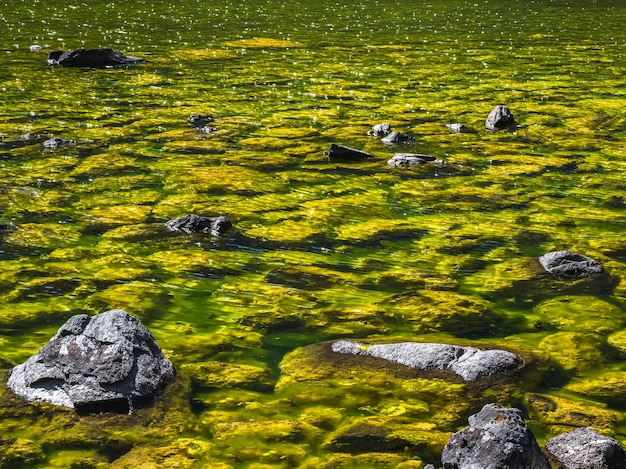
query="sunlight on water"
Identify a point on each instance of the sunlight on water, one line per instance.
(319, 250)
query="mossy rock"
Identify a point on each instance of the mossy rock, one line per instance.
(560, 414)
(412, 279)
(575, 351)
(608, 387)
(156, 457)
(19, 452)
(617, 341)
(216, 374)
(581, 314)
(436, 311)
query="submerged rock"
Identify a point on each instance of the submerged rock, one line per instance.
(497, 438)
(500, 118)
(411, 159)
(196, 224)
(200, 120)
(469, 363)
(585, 448)
(91, 58)
(459, 128)
(106, 363)
(56, 142)
(380, 130)
(569, 265)
(344, 153)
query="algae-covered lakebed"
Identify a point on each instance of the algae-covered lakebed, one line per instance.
(320, 250)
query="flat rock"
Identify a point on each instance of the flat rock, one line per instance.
(344, 153)
(569, 265)
(497, 438)
(106, 363)
(397, 137)
(469, 363)
(585, 448)
(102, 57)
(411, 159)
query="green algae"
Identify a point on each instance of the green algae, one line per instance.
(319, 250)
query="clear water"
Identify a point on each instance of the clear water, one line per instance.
(320, 250)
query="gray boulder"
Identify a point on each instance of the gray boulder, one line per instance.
(469, 363)
(569, 265)
(585, 448)
(102, 57)
(344, 153)
(497, 438)
(105, 363)
(196, 224)
(397, 137)
(400, 160)
(500, 118)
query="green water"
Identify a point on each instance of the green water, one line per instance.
(320, 250)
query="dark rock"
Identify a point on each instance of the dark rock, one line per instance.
(56, 142)
(7, 226)
(397, 137)
(106, 363)
(569, 265)
(585, 448)
(410, 159)
(469, 363)
(497, 438)
(459, 128)
(343, 153)
(91, 58)
(500, 118)
(200, 120)
(380, 130)
(196, 224)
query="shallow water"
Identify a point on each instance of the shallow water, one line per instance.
(320, 250)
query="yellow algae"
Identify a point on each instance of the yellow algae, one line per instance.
(261, 42)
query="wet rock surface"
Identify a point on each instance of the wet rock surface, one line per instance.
(196, 224)
(56, 142)
(569, 265)
(103, 57)
(497, 438)
(106, 363)
(411, 159)
(380, 130)
(344, 153)
(500, 118)
(469, 363)
(584, 448)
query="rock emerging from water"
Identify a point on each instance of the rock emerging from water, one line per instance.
(497, 438)
(469, 363)
(397, 137)
(569, 265)
(457, 128)
(380, 130)
(196, 224)
(56, 142)
(500, 118)
(106, 363)
(91, 58)
(344, 153)
(400, 160)
(585, 448)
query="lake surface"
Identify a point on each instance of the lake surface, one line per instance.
(320, 250)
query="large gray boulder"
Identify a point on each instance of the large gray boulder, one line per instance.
(497, 438)
(569, 265)
(585, 448)
(469, 363)
(105, 363)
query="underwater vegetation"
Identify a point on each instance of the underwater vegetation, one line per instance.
(319, 250)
